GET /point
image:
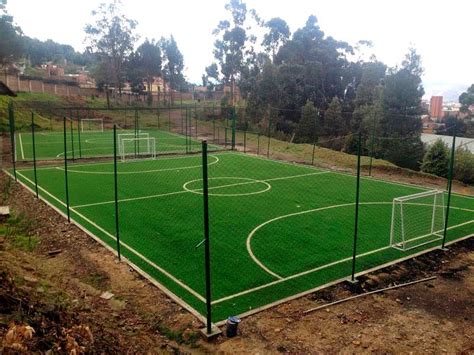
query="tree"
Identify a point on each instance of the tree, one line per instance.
(464, 166)
(368, 95)
(277, 35)
(467, 100)
(324, 71)
(173, 63)
(306, 130)
(400, 122)
(230, 49)
(334, 125)
(436, 159)
(453, 124)
(39, 52)
(112, 38)
(146, 64)
(11, 45)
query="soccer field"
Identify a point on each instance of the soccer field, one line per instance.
(50, 145)
(276, 229)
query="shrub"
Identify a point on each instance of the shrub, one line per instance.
(436, 159)
(464, 166)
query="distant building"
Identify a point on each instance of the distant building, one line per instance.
(429, 126)
(159, 84)
(52, 70)
(436, 108)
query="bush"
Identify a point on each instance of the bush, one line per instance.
(436, 159)
(464, 166)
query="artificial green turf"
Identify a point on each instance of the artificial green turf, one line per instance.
(50, 145)
(161, 218)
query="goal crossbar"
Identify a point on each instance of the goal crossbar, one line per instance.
(139, 147)
(418, 195)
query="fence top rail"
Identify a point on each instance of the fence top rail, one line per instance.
(418, 195)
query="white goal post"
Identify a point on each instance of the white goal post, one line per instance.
(92, 125)
(122, 136)
(137, 148)
(417, 219)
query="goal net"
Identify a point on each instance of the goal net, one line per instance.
(137, 148)
(92, 125)
(417, 219)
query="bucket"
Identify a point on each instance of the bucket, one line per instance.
(232, 325)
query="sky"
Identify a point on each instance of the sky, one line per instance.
(439, 30)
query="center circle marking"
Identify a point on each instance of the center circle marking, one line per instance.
(245, 181)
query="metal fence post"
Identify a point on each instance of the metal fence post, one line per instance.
(315, 138)
(245, 132)
(372, 141)
(234, 116)
(356, 219)
(117, 229)
(169, 117)
(65, 171)
(11, 119)
(72, 137)
(196, 120)
(34, 151)
(269, 135)
(206, 237)
(187, 130)
(136, 131)
(258, 143)
(450, 184)
(182, 126)
(79, 133)
(158, 117)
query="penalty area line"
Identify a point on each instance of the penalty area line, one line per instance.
(242, 293)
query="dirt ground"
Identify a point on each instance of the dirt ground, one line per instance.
(52, 276)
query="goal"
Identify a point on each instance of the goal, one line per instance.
(121, 136)
(417, 219)
(92, 125)
(137, 148)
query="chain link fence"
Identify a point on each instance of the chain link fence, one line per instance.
(227, 212)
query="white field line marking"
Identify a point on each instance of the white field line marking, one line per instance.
(21, 147)
(163, 271)
(140, 171)
(131, 199)
(246, 182)
(234, 295)
(134, 266)
(252, 233)
(185, 191)
(341, 173)
(310, 271)
(109, 163)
